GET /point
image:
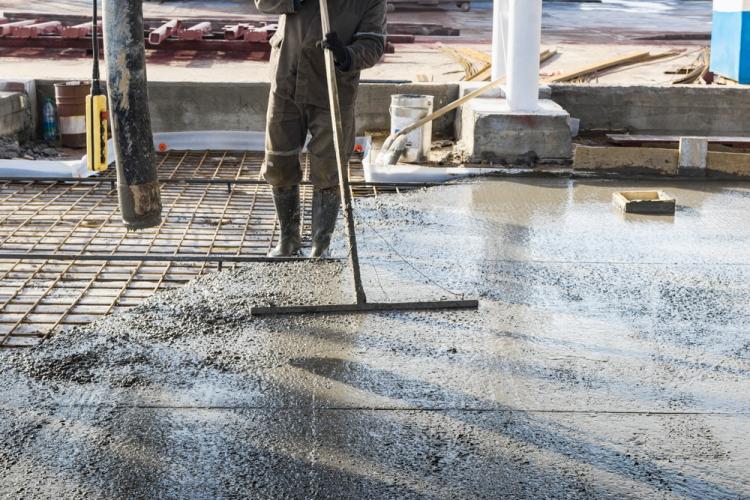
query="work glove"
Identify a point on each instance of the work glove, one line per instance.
(341, 54)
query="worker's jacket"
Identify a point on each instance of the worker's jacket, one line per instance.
(297, 62)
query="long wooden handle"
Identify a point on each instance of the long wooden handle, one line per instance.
(346, 194)
(450, 107)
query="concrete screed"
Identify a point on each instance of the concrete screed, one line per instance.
(610, 357)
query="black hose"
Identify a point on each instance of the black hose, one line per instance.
(95, 77)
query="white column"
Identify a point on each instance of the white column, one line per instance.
(524, 44)
(499, 39)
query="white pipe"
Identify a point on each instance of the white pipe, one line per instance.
(416, 174)
(401, 173)
(524, 44)
(499, 39)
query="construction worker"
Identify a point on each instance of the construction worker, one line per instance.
(299, 105)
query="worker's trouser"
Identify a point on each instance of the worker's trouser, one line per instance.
(288, 124)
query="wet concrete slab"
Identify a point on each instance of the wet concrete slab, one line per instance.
(210, 453)
(610, 357)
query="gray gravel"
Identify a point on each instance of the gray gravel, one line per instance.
(11, 149)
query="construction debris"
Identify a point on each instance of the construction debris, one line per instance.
(10, 149)
(699, 72)
(80, 30)
(8, 28)
(422, 29)
(250, 36)
(486, 73)
(478, 66)
(585, 73)
(164, 31)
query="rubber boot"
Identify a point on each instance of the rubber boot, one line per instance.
(326, 204)
(287, 210)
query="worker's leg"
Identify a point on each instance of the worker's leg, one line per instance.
(286, 131)
(324, 172)
(285, 136)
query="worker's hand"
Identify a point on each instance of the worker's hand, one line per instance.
(341, 53)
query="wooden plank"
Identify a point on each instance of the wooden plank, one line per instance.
(698, 72)
(632, 58)
(546, 55)
(476, 54)
(635, 139)
(467, 65)
(485, 73)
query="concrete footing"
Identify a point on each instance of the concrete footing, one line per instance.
(491, 132)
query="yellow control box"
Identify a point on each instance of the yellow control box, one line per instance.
(97, 118)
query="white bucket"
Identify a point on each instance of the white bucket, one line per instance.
(405, 110)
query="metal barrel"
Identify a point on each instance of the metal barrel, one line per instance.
(70, 99)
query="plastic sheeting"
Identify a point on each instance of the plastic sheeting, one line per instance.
(165, 141)
(39, 169)
(215, 140)
(209, 140)
(238, 141)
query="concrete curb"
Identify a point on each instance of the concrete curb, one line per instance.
(656, 161)
(728, 164)
(689, 110)
(634, 160)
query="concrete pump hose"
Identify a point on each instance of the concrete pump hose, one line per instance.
(124, 49)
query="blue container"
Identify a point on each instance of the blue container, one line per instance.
(50, 130)
(730, 41)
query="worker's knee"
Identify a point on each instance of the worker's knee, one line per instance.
(282, 171)
(324, 172)
(285, 137)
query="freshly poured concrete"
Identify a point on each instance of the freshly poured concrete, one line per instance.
(610, 357)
